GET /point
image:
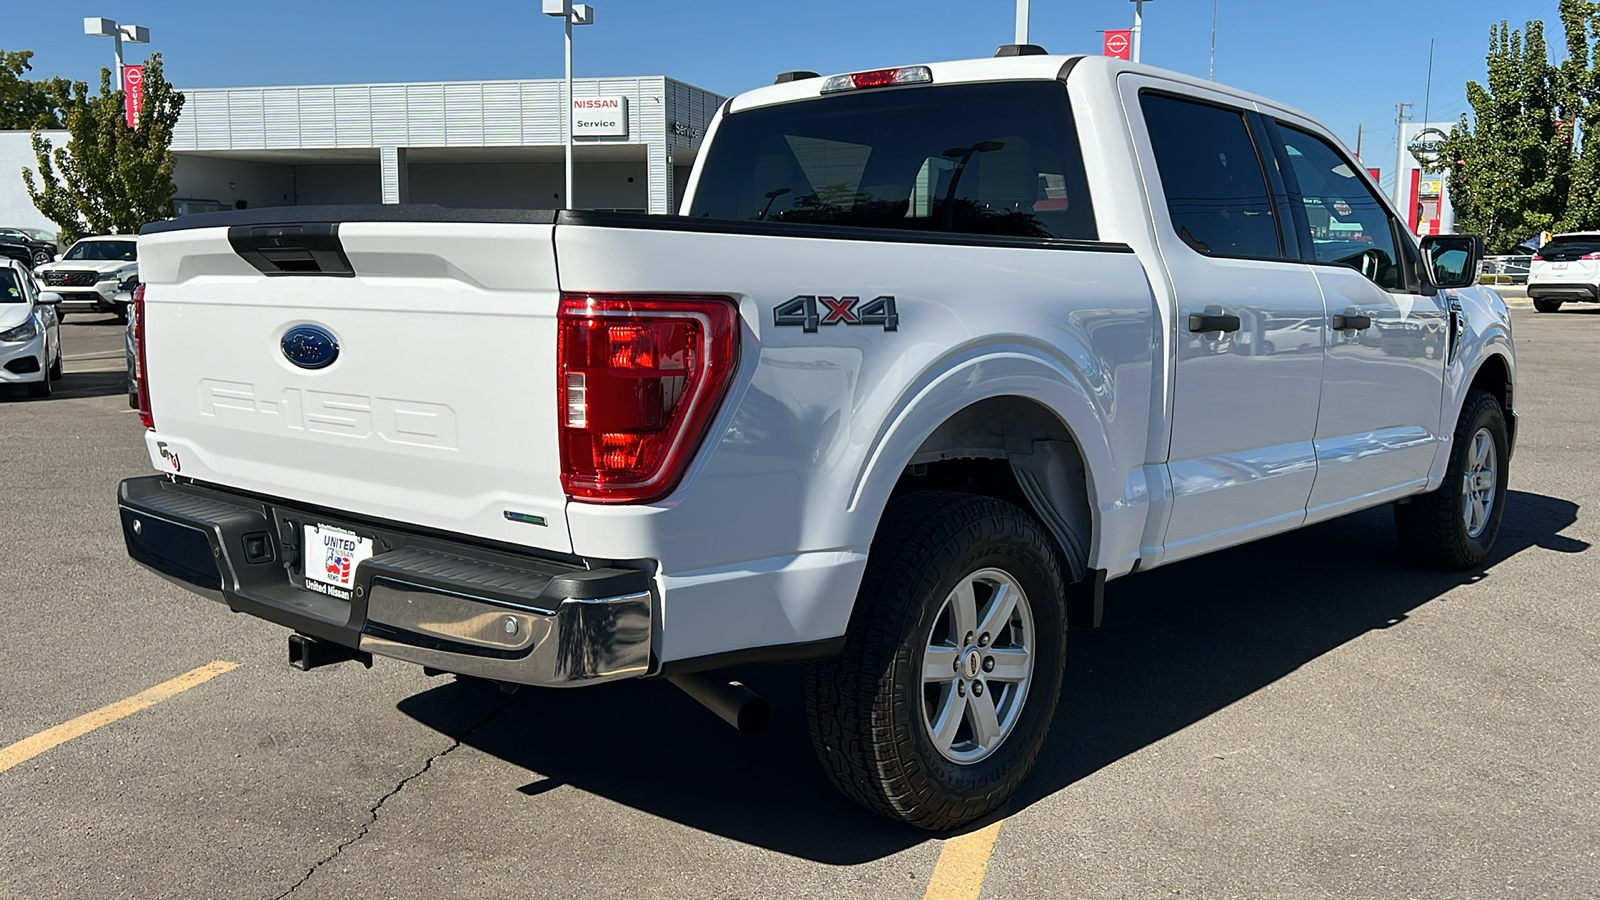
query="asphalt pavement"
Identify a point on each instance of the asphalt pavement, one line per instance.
(1307, 716)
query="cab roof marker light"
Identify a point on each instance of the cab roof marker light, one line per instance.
(878, 78)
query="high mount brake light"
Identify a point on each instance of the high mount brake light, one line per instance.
(142, 375)
(878, 78)
(641, 378)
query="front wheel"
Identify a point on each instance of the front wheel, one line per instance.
(1547, 306)
(938, 707)
(1455, 526)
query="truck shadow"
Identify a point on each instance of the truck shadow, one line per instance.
(1180, 643)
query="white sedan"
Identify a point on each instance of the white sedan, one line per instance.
(30, 332)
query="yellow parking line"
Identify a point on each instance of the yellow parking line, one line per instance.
(959, 872)
(29, 747)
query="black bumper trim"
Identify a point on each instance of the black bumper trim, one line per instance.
(196, 535)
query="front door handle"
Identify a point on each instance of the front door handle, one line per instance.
(1201, 324)
(1351, 323)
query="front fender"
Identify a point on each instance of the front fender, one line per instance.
(1486, 335)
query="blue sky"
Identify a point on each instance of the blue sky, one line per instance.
(1348, 63)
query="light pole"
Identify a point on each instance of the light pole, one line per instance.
(133, 34)
(572, 14)
(1022, 21)
(1138, 25)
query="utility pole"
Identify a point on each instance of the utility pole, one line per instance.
(1213, 40)
(1400, 120)
(1138, 26)
(1022, 21)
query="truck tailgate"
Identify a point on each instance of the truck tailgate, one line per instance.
(439, 409)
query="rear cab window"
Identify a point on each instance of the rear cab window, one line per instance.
(994, 158)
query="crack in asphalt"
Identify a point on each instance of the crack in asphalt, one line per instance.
(372, 812)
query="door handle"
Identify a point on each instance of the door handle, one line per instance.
(1349, 323)
(1200, 324)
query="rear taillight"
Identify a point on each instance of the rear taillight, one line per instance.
(640, 379)
(141, 373)
(1591, 256)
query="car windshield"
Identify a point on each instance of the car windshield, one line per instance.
(102, 250)
(1567, 249)
(10, 287)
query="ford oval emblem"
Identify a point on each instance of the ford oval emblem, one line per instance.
(310, 347)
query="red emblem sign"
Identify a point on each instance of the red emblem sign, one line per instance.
(133, 93)
(1119, 44)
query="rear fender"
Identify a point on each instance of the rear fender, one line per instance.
(1114, 479)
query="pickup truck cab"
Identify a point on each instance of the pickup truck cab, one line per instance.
(930, 354)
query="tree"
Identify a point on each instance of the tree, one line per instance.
(1579, 88)
(26, 103)
(113, 179)
(1510, 169)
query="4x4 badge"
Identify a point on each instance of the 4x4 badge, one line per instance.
(811, 312)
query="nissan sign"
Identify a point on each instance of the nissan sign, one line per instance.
(600, 117)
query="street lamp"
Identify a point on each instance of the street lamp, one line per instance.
(1022, 22)
(133, 34)
(572, 14)
(1138, 25)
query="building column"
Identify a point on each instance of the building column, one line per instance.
(659, 174)
(396, 182)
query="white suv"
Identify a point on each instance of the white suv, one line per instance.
(1567, 268)
(91, 274)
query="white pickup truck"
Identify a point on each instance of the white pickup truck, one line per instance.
(931, 354)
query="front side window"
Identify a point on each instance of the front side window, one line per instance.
(1211, 174)
(103, 250)
(1349, 225)
(999, 158)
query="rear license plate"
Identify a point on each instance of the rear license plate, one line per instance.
(1558, 265)
(332, 555)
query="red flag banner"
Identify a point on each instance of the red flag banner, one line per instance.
(1119, 44)
(133, 93)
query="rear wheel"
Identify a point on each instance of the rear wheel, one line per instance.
(1547, 305)
(1455, 526)
(938, 707)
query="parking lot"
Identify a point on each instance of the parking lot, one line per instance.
(1307, 716)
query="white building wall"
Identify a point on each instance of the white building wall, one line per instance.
(16, 151)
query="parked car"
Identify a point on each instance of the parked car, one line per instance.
(1566, 269)
(37, 250)
(30, 333)
(933, 353)
(90, 274)
(127, 296)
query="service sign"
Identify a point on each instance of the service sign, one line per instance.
(600, 117)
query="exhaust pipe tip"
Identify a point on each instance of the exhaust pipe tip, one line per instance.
(744, 709)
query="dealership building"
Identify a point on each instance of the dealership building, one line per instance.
(462, 144)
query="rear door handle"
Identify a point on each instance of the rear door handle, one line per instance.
(1349, 323)
(1201, 324)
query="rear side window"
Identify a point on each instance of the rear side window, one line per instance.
(1212, 176)
(989, 159)
(1568, 249)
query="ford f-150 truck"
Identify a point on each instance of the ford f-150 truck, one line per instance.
(930, 354)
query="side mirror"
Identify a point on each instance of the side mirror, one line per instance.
(48, 298)
(58, 258)
(1453, 259)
